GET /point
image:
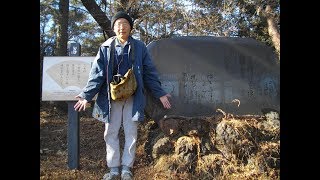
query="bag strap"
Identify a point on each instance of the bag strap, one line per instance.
(132, 53)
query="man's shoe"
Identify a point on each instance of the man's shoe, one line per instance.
(111, 176)
(126, 175)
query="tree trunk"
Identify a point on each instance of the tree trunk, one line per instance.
(273, 30)
(62, 34)
(272, 27)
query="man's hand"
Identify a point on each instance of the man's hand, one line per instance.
(81, 104)
(165, 101)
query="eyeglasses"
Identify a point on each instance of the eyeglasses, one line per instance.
(121, 24)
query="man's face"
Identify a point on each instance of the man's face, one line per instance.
(122, 28)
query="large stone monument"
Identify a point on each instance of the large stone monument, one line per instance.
(206, 73)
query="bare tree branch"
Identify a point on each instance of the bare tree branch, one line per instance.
(100, 17)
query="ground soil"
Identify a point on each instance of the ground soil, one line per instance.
(92, 163)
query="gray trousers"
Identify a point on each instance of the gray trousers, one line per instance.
(121, 113)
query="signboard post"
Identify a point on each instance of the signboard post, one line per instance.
(63, 78)
(73, 123)
(73, 136)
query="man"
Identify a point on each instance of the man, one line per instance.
(127, 52)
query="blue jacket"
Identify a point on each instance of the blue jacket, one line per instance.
(101, 75)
